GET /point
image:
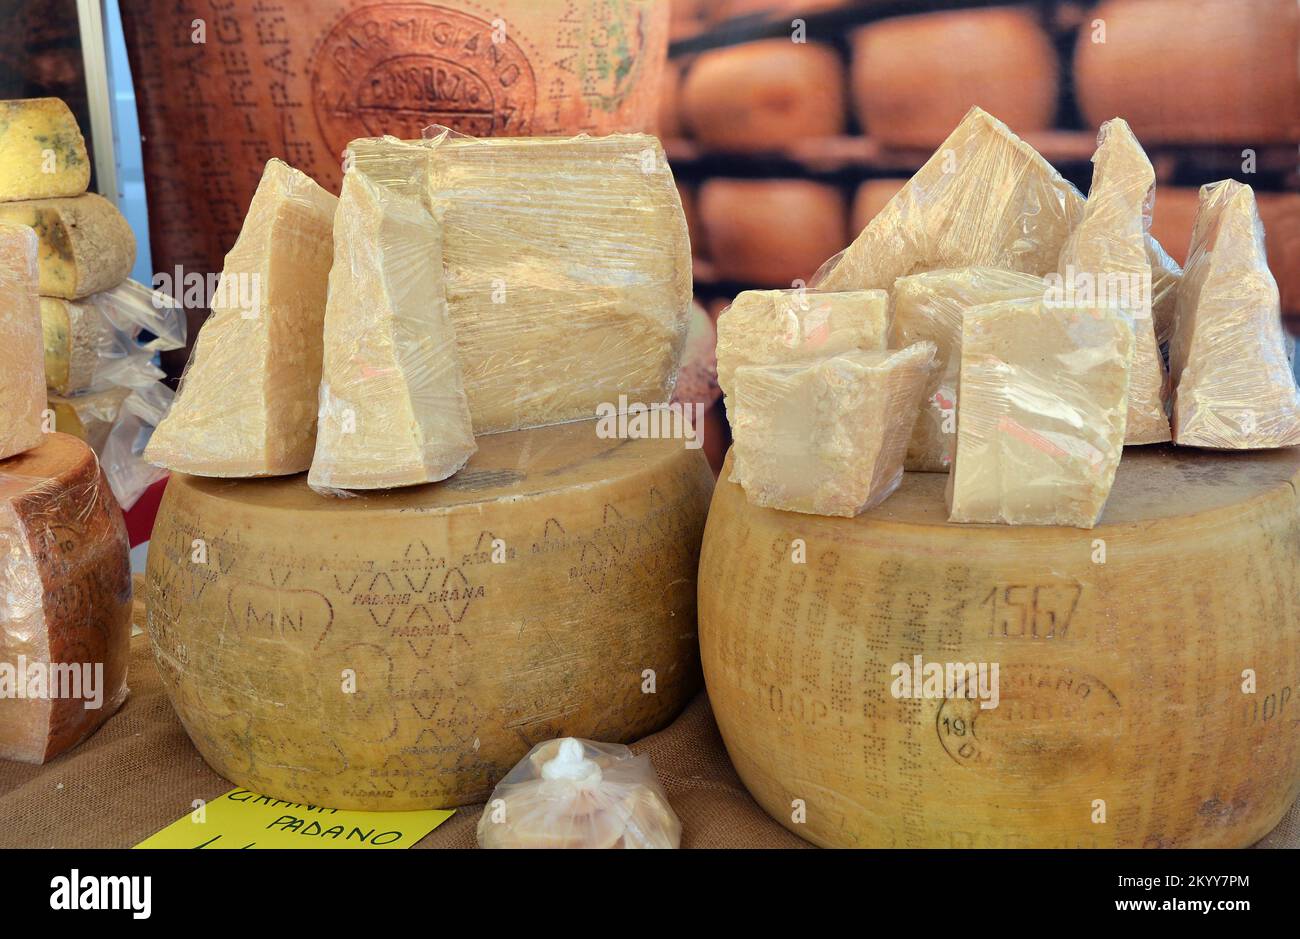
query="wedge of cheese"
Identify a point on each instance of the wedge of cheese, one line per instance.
(392, 400)
(568, 267)
(1043, 410)
(1165, 277)
(248, 399)
(985, 198)
(1105, 265)
(22, 366)
(827, 437)
(929, 307)
(1234, 389)
(85, 244)
(782, 327)
(42, 152)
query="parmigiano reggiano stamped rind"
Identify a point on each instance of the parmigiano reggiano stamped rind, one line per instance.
(461, 663)
(1120, 681)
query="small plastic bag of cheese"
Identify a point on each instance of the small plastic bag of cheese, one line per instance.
(572, 793)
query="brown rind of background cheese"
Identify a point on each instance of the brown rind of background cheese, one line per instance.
(65, 591)
(762, 96)
(915, 77)
(770, 233)
(1193, 71)
(872, 196)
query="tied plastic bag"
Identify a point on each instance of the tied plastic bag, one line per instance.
(573, 793)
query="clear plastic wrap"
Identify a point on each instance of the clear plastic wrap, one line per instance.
(65, 600)
(572, 793)
(121, 455)
(22, 372)
(85, 243)
(392, 399)
(1105, 265)
(567, 262)
(90, 416)
(827, 437)
(929, 307)
(1043, 411)
(247, 401)
(985, 198)
(1165, 277)
(1234, 389)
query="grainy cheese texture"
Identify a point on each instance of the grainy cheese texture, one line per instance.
(42, 152)
(73, 333)
(1042, 407)
(1165, 277)
(523, 599)
(929, 308)
(1105, 262)
(780, 327)
(65, 597)
(248, 399)
(568, 267)
(22, 365)
(826, 437)
(1234, 388)
(1115, 683)
(985, 198)
(85, 244)
(392, 399)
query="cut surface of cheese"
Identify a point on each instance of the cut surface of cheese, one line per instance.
(567, 263)
(827, 437)
(985, 198)
(1234, 388)
(248, 399)
(22, 365)
(929, 307)
(781, 327)
(85, 244)
(523, 599)
(1105, 263)
(73, 334)
(42, 152)
(1096, 658)
(65, 600)
(1042, 408)
(392, 400)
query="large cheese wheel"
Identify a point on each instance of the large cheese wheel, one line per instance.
(266, 600)
(769, 233)
(1193, 71)
(915, 77)
(1123, 676)
(760, 96)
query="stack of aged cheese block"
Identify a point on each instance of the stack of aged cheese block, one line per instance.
(65, 585)
(403, 646)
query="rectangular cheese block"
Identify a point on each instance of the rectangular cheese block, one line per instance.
(780, 327)
(1043, 407)
(85, 244)
(1105, 264)
(929, 307)
(392, 400)
(247, 402)
(985, 198)
(568, 267)
(42, 152)
(826, 437)
(22, 366)
(1233, 385)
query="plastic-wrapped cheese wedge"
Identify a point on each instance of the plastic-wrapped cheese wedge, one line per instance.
(1165, 277)
(392, 401)
(42, 152)
(1105, 264)
(929, 307)
(247, 401)
(985, 198)
(22, 370)
(85, 244)
(827, 437)
(1043, 409)
(1234, 389)
(780, 327)
(574, 793)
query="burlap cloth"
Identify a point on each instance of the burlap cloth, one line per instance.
(140, 773)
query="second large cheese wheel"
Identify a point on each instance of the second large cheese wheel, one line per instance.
(1147, 669)
(403, 649)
